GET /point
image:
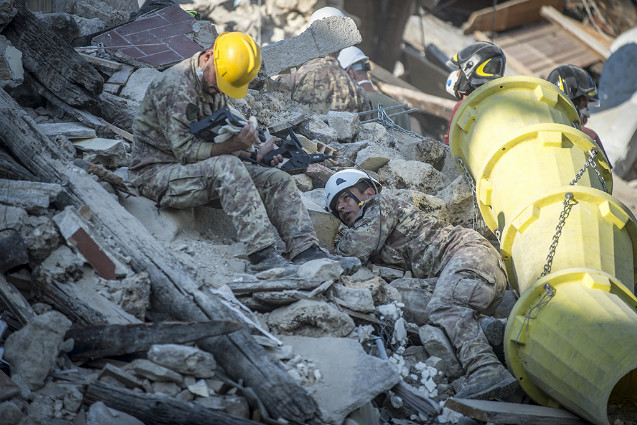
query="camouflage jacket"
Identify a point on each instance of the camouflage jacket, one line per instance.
(322, 85)
(390, 231)
(161, 131)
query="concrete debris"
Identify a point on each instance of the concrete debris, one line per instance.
(404, 174)
(112, 153)
(310, 318)
(99, 414)
(11, 71)
(184, 359)
(349, 377)
(346, 124)
(137, 83)
(320, 270)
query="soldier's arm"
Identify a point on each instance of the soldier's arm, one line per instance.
(369, 232)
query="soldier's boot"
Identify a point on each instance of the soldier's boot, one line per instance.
(265, 259)
(493, 329)
(489, 382)
(350, 265)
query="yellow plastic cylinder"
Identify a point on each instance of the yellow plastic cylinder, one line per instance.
(519, 139)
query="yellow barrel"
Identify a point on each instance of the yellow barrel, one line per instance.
(519, 138)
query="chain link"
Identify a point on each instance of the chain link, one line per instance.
(384, 119)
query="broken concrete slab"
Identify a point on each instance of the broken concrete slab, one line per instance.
(403, 174)
(346, 124)
(184, 359)
(374, 157)
(320, 270)
(350, 378)
(315, 128)
(71, 130)
(310, 318)
(32, 196)
(164, 223)
(11, 71)
(111, 153)
(356, 299)
(323, 37)
(138, 82)
(32, 351)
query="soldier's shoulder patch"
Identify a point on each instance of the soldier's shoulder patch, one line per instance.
(192, 111)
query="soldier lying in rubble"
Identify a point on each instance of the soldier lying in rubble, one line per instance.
(178, 170)
(321, 84)
(471, 276)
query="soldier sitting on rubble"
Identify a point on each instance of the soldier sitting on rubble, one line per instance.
(356, 64)
(321, 84)
(579, 86)
(176, 169)
(473, 66)
(470, 272)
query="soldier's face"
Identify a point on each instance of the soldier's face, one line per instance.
(209, 78)
(347, 206)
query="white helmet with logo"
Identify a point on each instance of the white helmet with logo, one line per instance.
(341, 181)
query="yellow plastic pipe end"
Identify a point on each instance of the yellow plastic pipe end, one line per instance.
(573, 345)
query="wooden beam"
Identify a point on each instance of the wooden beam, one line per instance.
(575, 29)
(430, 104)
(118, 339)
(508, 15)
(159, 409)
(15, 301)
(499, 412)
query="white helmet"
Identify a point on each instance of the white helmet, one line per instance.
(343, 180)
(325, 12)
(351, 55)
(452, 79)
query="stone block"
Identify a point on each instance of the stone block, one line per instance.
(458, 198)
(11, 71)
(320, 270)
(184, 359)
(154, 372)
(310, 318)
(374, 157)
(99, 414)
(63, 24)
(373, 132)
(346, 124)
(415, 295)
(33, 350)
(416, 175)
(357, 299)
(437, 344)
(138, 82)
(7, 12)
(164, 224)
(315, 128)
(303, 182)
(109, 152)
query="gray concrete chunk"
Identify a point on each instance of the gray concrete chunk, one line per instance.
(184, 359)
(310, 318)
(437, 344)
(350, 378)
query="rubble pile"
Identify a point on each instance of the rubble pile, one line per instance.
(112, 311)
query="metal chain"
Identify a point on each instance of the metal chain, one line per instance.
(385, 120)
(590, 162)
(472, 186)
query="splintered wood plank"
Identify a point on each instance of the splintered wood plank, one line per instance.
(509, 14)
(109, 340)
(574, 28)
(513, 413)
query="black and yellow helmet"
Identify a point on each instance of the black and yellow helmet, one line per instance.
(479, 63)
(574, 82)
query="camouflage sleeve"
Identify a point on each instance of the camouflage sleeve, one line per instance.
(171, 112)
(370, 231)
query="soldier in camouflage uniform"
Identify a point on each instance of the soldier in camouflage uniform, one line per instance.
(321, 84)
(176, 169)
(470, 272)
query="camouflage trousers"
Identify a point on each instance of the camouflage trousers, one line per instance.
(253, 196)
(473, 281)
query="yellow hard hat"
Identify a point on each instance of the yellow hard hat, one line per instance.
(237, 62)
